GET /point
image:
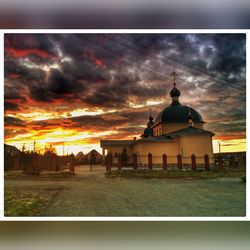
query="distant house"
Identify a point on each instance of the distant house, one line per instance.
(94, 157)
(11, 150)
(9, 155)
(80, 155)
(80, 158)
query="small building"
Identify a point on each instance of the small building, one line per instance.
(178, 131)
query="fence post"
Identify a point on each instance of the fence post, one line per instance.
(72, 163)
(164, 159)
(21, 161)
(244, 160)
(193, 159)
(16, 162)
(232, 162)
(179, 161)
(35, 167)
(106, 162)
(119, 161)
(236, 163)
(206, 158)
(109, 161)
(53, 163)
(135, 164)
(150, 163)
(220, 162)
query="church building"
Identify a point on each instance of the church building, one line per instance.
(177, 132)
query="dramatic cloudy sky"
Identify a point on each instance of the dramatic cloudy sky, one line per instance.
(79, 88)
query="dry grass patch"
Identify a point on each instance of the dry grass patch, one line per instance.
(26, 201)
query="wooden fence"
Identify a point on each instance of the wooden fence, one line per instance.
(204, 162)
(34, 163)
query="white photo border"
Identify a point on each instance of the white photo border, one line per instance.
(93, 31)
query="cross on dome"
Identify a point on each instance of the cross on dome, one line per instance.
(150, 119)
(174, 93)
(174, 75)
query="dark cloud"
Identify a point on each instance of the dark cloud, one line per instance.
(119, 71)
(112, 120)
(85, 71)
(10, 133)
(60, 84)
(12, 121)
(21, 45)
(19, 76)
(11, 106)
(13, 67)
(123, 122)
(39, 93)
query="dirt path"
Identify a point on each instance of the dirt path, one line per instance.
(91, 194)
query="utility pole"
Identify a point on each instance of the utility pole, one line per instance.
(219, 147)
(63, 148)
(34, 146)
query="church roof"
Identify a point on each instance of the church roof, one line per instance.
(162, 138)
(177, 113)
(190, 131)
(116, 142)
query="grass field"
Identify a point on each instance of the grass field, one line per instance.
(91, 194)
(174, 174)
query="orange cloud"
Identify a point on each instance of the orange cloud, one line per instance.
(230, 137)
(26, 52)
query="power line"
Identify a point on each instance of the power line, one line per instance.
(202, 73)
(126, 58)
(156, 59)
(146, 66)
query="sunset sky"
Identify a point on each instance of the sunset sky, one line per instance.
(80, 88)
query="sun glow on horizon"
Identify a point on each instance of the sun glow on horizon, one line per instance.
(232, 145)
(72, 140)
(79, 143)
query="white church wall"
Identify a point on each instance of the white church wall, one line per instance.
(157, 149)
(199, 145)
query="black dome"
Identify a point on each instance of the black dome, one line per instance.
(175, 92)
(179, 114)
